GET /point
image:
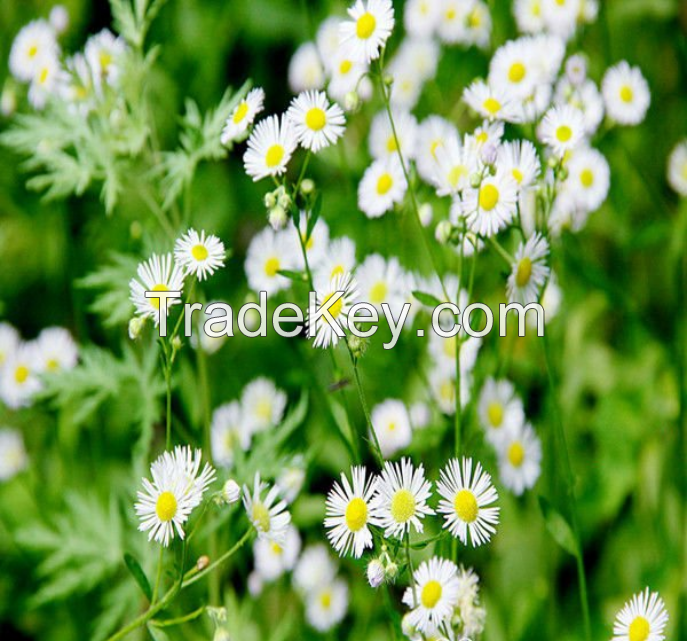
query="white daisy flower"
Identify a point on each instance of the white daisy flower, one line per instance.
(165, 504)
(560, 16)
(421, 17)
(76, 87)
(316, 123)
(676, 169)
(562, 128)
(464, 22)
(270, 147)
(338, 259)
(588, 179)
(529, 271)
(273, 559)
(400, 498)
(486, 133)
(370, 25)
(9, 341)
(443, 387)
(228, 433)
(243, 116)
(550, 300)
(492, 206)
(478, 24)
(328, 41)
(326, 606)
(199, 254)
(348, 514)
(103, 53)
(346, 77)
(391, 424)
(467, 493)
(381, 281)
(13, 457)
(433, 595)
(19, 379)
(513, 69)
(520, 458)
(268, 515)
(314, 569)
(33, 44)
(59, 18)
(263, 405)
(443, 350)
(642, 619)
(520, 158)
(626, 94)
(47, 81)
(325, 333)
(420, 415)
(499, 410)
(586, 98)
(316, 244)
(57, 350)
(454, 165)
(489, 103)
(383, 185)
(269, 253)
(433, 134)
(157, 274)
(529, 15)
(305, 69)
(415, 62)
(406, 87)
(381, 140)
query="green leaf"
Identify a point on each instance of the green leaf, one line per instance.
(139, 575)
(558, 527)
(314, 215)
(299, 277)
(426, 299)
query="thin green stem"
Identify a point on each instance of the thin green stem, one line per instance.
(195, 575)
(159, 574)
(177, 620)
(500, 250)
(410, 568)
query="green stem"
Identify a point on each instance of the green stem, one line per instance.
(410, 568)
(194, 575)
(176, 621)
(500, 250)
(159, 573)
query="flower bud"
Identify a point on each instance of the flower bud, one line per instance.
(221, 635)
(277, 217)
(375, 573)
(489, 154)
(8, 99)
(575, 69)
(426, 214)
(203, 562)
(135, 327)
(475, 180)
(443, 232)
(270, 200)
(388, 80)
(352, 101)
(357, 344)
(217, 615)
(307, 186)
(59, 18)
(231, 491)
(391, 571)
(176, 344)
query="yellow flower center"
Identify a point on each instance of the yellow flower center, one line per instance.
(160, 287)
(274, 155)
(516, 72)
(434, 146)
(105, 60)
(586, 178)
(482, 137)
(466, 506)
(326, 599)
(492, 106)
(345, 67)
(365, 26)
(21, 373)
(451, 14)
(403, 506)
(495, 414)
(276, 549)
(356, 514)
(626, 93)
(450, 346)
(431, 593)
(517, 175)
(384, 184)
(488, 197)
(52, 364)
(43, 76)
(264, 409)
(456, 174)
(336, 308)
(475, 19)
(392, 144)
(563, 133)
(166, 506)
(199, 252)
(524, 269)
(33, 50)
(639, 630)
(392, 426)
(240, 112)
(260, 517)
(272, 266)
(515, 454)
(447, 391)
(378, 292)
(315, 118)
(338, 270)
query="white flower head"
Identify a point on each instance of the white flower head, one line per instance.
(325, 333)
(228, 433)
(643, 618)
(529, 271)
(306, 69)
(157, 274)
(263, 405)
(339, 258)
(273, 559)
(562, 128)
(391, 424)
(382, 187)
(626, 94)
(677, 168)
(243, 116)
(384, 142)
(33, 44)
(199, 254)
(317, 123)
(13, 457)
(269, 253)
(366, 32)
(314, 569)
(270, 148)
(268, 515)
(103, 53)
(499, 409)
(492, 205)
(326, 605)
(57, 350)
(520, 458)
(19, 380)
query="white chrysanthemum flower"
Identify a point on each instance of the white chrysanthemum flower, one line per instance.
(103, 53)
(443, 350)
(492, 206)
(562, 128)
(270, 148)
(400, 498)
(228, 433)
(268, 515)
(346, 76)
(586, 98)
(519, 158)
(9, 341)
(199, 254)
(13, 457)
(316, 123)
(383, 141)
(325, 333)
(421, 17)
(314, 569)
(415, 62)
(464, 22)
(433, 594)
(157, 274)
(269, 253)
(469, 609)
(433, 134)
(316, 245)
(348, 514)
(243, 116)
(326, 605)
(328, 41)
(305, 70)
(677, 168)
(381, 281)
(443, 384)
(478, 24)
(391, 424)
(626, 94)
(529, 15)
(57, 350)
(642, 619)
(514, 69)
(486, 133)
(406, 85)
(59, 18)
(454, 165)
(165, 504)
(490, 103)
(273, 559)
(19, 379)
(338, 259)
(467, 495)
(263, 405)
(588, 179)
(291, 479)
(529, 271)
(420, 415)
(499, 410)
(560, 17)
(33, 44)
(370, 25)
(77, 88)
(520, 458)
(382, 186)
(47, 81)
